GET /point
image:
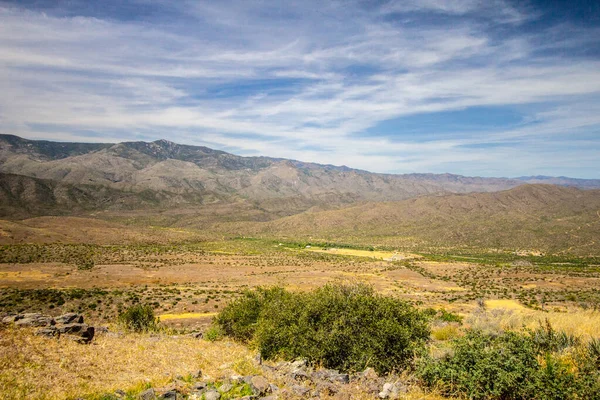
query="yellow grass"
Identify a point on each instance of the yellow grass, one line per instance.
(379, 255)
(190, 315)
(33, 367)
(446, 332)
(351, 252)
(582, 323)
(505, 304)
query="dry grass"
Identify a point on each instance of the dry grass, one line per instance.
(445, 332)
(166, 317)
(585, 324)
(39, 368)
(504, 304)
(378, 255)
(33, 367)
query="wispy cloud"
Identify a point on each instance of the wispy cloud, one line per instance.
(310, 80)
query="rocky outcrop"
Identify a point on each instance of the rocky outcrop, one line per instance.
(68, 325)
(294, 380)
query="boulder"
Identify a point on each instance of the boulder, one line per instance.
(12, 318)
(369, 374)
(326, 389)
(212, 395)
(69, 318)
(48, 332)
(299, 375)
(260, 385)
(147, 395)
(392, 391)
(300, 390)
(170, 395)
(73, 328)
(226, 387)
(298, 364)
(34, 319)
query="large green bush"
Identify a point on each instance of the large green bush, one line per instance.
(239, 319)
(139, 318)
(343, 327)
(512, 366)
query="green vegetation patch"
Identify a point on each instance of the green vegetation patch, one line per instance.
(343, 327)
(536, 365)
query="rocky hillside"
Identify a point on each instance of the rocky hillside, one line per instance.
(547, 217)
(79, 176)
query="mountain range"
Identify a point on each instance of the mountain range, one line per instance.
(161, 183)
(41, 177)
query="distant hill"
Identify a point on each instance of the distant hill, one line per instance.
(562, 181)
(165, 174)
(165, 184)
(544, 217)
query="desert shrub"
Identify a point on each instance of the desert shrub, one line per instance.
(213, 333)
(443, 315)
(139, 318)
(547, 338)
(337, 326)
(239, 319)
(509, 366)
(593, 349)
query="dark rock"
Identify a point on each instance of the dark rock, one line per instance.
(69, 318)
(197, 374)
(81, 333)
(48, 332)
(120, 393)
(198, 386)
(147, 395)
(84, 337)
(73, 328)
(171, 395)
(260, 386)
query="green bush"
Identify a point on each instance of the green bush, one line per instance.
(343, 327)
(213, 333)
(239, 319)
(511, 366)
(139, 318)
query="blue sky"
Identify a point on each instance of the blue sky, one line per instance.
(487, 88)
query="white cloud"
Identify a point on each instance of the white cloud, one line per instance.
(303, 81)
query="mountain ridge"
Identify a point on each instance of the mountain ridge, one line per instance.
(163, 175)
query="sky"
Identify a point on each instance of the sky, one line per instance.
(478, 88)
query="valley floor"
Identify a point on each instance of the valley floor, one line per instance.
(187, 284)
